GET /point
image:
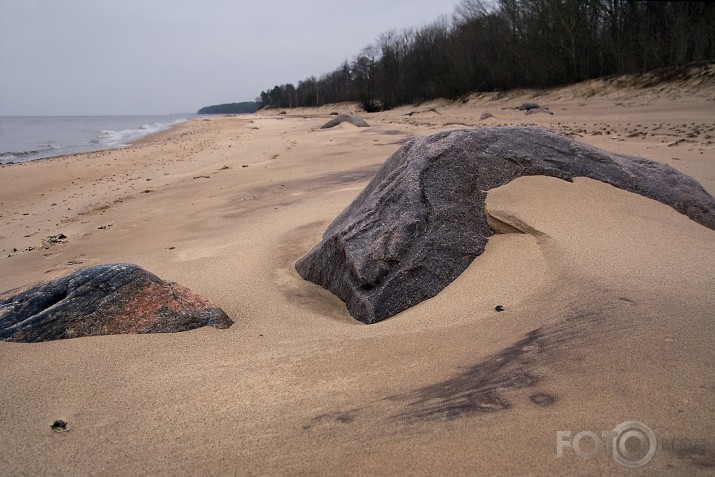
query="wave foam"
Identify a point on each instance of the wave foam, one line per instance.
(119, 138)
(47, 137)
(10, 156)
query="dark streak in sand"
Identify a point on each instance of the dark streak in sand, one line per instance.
(280, 194)
(696, 452)
(482, 388)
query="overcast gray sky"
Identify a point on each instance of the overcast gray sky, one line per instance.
(84, 57)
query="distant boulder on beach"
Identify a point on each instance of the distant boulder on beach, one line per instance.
(539, 110)
(343, 118)
(103, 300)
(528, 106)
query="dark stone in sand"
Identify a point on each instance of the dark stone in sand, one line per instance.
(59, 426)
(528, 106)
(420, 222)
(485, 115)
(538, 110)
(55, 239)
(345, 118)
(103, 300)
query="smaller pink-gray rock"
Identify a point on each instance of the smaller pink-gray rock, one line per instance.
(109, 299)
(345, 118)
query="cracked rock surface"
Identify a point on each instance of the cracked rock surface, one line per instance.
(420, 222)
(104, 300)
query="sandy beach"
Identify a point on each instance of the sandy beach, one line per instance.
(608, 304)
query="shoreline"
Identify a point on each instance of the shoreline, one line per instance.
(93, 145)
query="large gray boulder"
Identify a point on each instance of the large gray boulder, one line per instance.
(108, 299)
(345, 118)
(420, 222)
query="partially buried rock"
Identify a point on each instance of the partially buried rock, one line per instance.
(54, 240)
(538, 110)
(420, 222)
(528, 106)
(343, 118)
(104, 300)
(59, 426)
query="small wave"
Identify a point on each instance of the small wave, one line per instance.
(51, 137)
(10, 156)
(118, 138)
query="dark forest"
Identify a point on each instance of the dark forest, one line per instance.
(504, 44)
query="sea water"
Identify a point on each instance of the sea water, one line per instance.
(26, 138)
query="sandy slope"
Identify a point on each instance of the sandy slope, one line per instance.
(609, 305)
